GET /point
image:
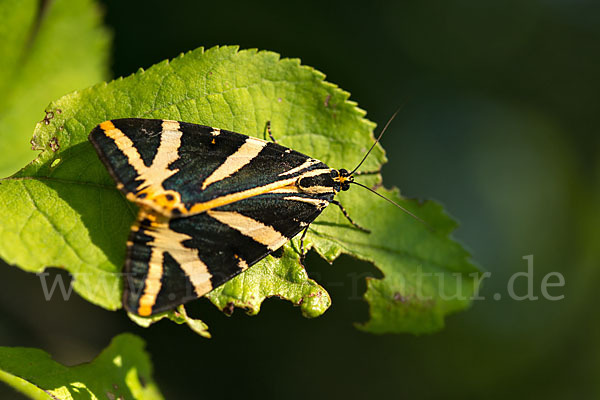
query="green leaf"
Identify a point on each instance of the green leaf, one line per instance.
(427, 275)
(122, 370)
(282, 277)
(178, 316)
(63, 208)
(48, 49)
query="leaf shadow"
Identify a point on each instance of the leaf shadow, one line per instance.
(83, 183)
(334, 224)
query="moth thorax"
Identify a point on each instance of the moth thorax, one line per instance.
(322, 182)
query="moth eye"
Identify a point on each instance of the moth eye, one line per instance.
(343, 172)
(345, 186)
(334, 173)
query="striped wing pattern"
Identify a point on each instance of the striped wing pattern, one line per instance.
(212, 203)
(175, 167)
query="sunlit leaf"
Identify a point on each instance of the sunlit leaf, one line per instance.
(63, 209)
(122, 371)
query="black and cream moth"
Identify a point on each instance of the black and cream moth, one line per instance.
(212, 203)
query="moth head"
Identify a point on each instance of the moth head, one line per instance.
(342, 177)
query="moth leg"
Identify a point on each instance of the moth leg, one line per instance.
(337, 203)
(367, 172)
(268, 130)
(302, 253)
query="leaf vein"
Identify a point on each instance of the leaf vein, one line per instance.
(348, 250)
(58, 180)
(54, 227)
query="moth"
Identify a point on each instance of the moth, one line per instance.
(211, 203)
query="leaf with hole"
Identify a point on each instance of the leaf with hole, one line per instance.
(63, 209)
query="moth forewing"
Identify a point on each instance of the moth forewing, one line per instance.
(212, 203)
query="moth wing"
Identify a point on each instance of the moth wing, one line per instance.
(169, 166)
(172, 261)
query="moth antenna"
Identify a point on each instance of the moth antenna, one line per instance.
(378, 138)
(396, 204)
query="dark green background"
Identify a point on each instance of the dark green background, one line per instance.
(500, 125)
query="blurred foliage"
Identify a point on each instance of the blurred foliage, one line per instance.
(121, 371)
(47, 49)
(501, 126)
